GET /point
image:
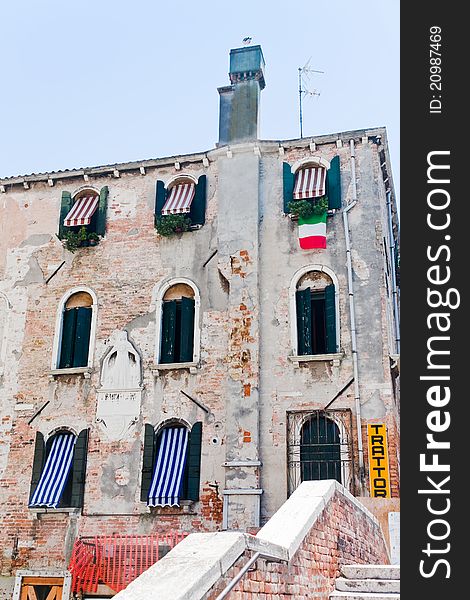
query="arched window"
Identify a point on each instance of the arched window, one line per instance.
(183, 195)
(59, 470)
(171, 464)
(75, 328)
(310, 179)
(178, 328)
(315, 318)
(86, 208)
(310, 182)
(320, 449)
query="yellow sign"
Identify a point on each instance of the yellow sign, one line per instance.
(379, 475)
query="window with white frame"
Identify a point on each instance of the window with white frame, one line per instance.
(58, 475)
(314, 312)
(180, 204)
(171, 463)
(178, 323)
(75, 327)
(82, 217)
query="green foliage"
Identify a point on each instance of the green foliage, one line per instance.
(307, 208)
(170, 224)
(75, 239)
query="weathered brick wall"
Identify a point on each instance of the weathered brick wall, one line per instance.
(245, 375)
(341, 535)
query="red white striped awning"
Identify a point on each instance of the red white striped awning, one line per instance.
(310, 183)
(180, 198)
(82, 211)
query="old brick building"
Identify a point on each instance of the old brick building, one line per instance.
(163, 384)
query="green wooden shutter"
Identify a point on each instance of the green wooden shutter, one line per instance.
(65, 207)
(69, 321)
(194, 461)
(288, 185)
(38, 462)
(82, 337)
(197, 213)
(148, 461)
(333, 184)
(167, 353)
(330, 318)
(79, 469)
(187, 330)
(304, 321)
(102, 208)
(160, 198)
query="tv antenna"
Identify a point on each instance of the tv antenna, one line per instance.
(304, 74)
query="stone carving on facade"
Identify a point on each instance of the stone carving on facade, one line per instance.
(119, 396)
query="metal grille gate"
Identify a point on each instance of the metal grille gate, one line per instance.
(320, 446)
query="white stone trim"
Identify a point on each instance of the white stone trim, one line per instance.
(172, 421)
(83, 188)
(192, 366)
(314, 161)
(293, 309)
(174, 178)
(42, 573)
(58, 328)
(334, 358)
(163, 288)
(58, 430)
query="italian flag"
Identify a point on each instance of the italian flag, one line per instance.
(312, 231)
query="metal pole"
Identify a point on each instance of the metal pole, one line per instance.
(352, 315)
(393, 274)
(300, 102)
(236, 579)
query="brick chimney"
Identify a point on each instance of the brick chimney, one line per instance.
(239, 102)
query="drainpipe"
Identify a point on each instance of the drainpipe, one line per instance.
(394, 277)
(357, 398)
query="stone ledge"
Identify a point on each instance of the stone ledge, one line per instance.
(53, 511)
(192, 366)
(334, 358)
(85, 371)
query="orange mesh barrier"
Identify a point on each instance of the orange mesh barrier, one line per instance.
(116, 560)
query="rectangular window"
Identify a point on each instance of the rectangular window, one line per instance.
(76, 327)
(177, 331)
(87, 210)
(316, 321)
(55, 473)
(171, 465)
(59, 466)
(166, 486)
(185, 197)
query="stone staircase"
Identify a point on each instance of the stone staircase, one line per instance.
(368, 582)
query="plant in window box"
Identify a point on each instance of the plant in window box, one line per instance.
(170, 224)
(74, 239)
(93, 238)
(307, 208)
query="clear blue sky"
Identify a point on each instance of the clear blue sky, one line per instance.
(96, 82)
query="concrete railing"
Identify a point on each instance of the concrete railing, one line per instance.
(314, 531)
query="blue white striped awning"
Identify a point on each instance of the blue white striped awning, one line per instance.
(55, 472)
(169, 466)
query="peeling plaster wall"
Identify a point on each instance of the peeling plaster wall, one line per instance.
(245, 378)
